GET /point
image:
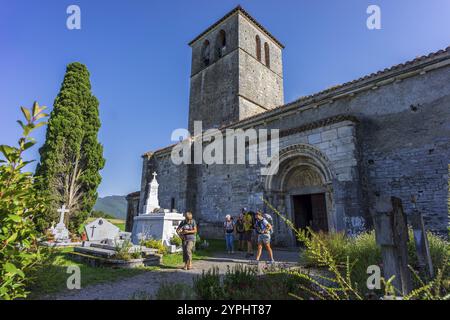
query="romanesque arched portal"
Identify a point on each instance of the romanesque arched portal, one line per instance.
(302, 190)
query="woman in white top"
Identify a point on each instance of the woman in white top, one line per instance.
(228, 227)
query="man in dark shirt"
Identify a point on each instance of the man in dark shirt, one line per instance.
(187, 230)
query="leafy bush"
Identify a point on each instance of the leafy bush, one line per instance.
(123, 251)
(362, 251)
(176, 240)
(154, 244)
(239, 283)
(208, 286)
(20, 208)
(175, 291)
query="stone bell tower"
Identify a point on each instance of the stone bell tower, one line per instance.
(236, 72)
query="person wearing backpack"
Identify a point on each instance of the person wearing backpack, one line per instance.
(264, 230)
(240, 232)
(248, 232)
(228, 227)
(187, 231)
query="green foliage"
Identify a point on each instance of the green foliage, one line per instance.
(239, 283)
(436, 289)
(361, 251)
(154, 244)
(124, 251)
(20, 206)
(346, 260)
(208, 286)
(174, 291)
(71, 157)
(50, 276)
(176, 240)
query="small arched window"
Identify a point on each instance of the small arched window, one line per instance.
(258, 48)
(221, 43)
(205, 53)
(267, 54)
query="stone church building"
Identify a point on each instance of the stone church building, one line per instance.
(386, 133)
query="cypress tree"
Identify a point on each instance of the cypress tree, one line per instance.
(71, 156)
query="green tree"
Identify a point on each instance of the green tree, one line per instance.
(72, 157)
(20, 205)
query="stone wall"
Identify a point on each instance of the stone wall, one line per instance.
(234, 85)
(400, 146)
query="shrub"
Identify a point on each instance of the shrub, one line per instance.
(208, 285)
(175, 291)
(123, 251)
(348, 277)
(176, 240)
(239, 282)
(20, 208)
(154, 244)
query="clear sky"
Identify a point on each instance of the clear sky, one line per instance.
(139, 60)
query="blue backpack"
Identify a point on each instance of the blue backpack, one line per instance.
(268, 219)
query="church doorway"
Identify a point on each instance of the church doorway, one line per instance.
(302, 189)
(310, 210)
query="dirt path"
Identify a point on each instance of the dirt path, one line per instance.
(146, 284)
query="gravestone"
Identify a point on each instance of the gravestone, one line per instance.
(391, 231)
(422, 246)
(152, 200)
(155, 222)
(61, 233)
(101, 229)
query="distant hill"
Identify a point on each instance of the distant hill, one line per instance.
(113, 205)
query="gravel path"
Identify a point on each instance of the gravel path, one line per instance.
(146, 284)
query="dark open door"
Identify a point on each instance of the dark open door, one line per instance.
(319, 212)
(310, 211)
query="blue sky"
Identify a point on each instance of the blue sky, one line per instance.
(137, 53)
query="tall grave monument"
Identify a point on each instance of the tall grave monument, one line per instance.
(155, 222)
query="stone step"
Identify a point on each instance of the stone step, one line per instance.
(132, 249)
(97, 252)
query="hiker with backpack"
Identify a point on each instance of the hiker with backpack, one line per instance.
(228, 227)
(248, 232)
(264, 229)
(240, 231)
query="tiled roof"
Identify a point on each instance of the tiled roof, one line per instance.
(246, 14)
(345, 88)
(373, 78)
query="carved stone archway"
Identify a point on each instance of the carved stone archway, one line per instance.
(299, 169)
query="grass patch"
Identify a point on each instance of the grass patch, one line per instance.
(51, 276)
(362, 251)
(176, 259)
(238, 283)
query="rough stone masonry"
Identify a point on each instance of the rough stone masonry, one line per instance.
(385, 133)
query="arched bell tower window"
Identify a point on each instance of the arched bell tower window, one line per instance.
(221, 43)
(258, 48)
(205, 53)
(267, 54)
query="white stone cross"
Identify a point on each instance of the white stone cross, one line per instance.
(154, 175)
(62, 211)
